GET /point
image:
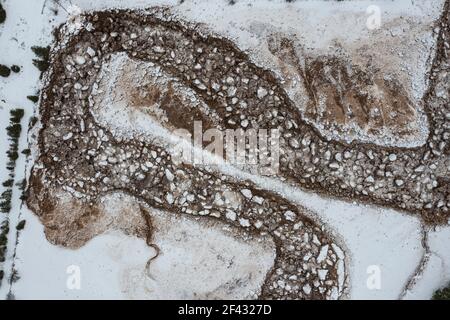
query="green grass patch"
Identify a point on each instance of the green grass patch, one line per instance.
(2, 14)
(15, 68)
(21, 225)
(4, 71)
(442, 294)
(33, 99)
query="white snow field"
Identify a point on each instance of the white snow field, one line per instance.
(204, 260)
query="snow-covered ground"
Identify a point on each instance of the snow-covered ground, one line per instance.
(378, 241)
(114, 266)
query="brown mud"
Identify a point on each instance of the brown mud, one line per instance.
(78, 157)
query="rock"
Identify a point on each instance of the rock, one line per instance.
(230, 215)
(370, 179)
(392, 157)
(169, 198)
(306, 141)
(290, 216)
(258, 200)
(169, 175)
(200, 85)
(334, 165)
(322, 273)
(244, 222)
(80, 60)
(231, 91)
(322, 254)
(307, 289)
(247, 193)
(338, 251)
(261, 93)
(293, 142)
(68, 136)
(420, 168)
(158, 49)
(90, 52)
(112, 160)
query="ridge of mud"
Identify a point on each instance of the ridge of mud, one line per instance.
(410, 179)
